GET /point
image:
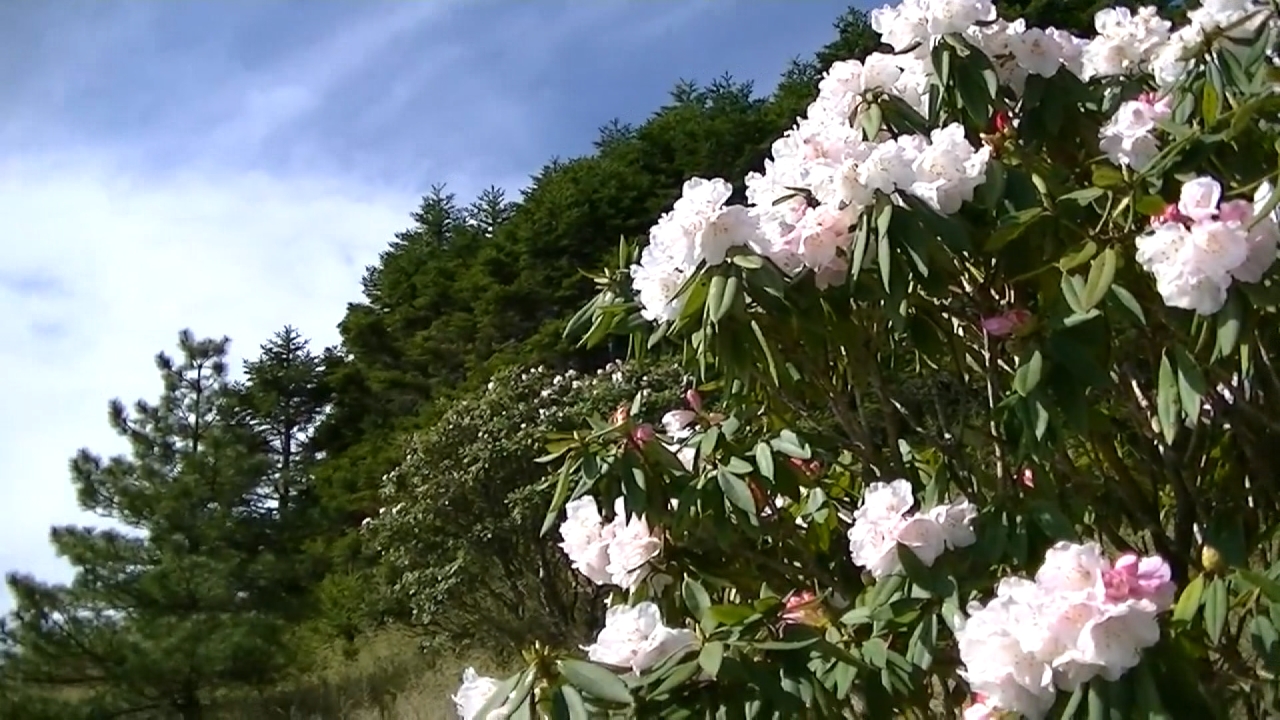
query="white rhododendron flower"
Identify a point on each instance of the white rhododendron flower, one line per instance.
(473, 694)
(634, 637)
(1082, 617)
(1198, 248)
(1126, 42)
(632, 544)
(615, 553)
(884, 521)
(585, 539)
(1129, 137)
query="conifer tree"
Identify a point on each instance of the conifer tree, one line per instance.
(164, 611)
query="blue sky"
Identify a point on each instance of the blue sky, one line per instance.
(232, 166)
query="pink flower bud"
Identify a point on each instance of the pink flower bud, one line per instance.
(1027, 477)
(802, 608)
(692, 397)
(643, 434)
(1006, 323)
(1240, 211)
(1138, 578)
(1002, 122)
(1170, 214)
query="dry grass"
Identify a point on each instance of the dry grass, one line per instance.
(387, 678)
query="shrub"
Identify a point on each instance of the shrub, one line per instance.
(1071, 242)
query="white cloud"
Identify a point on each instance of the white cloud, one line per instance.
(123, 263)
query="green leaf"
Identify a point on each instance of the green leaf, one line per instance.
(1191, 384)
(574, 703)
(1130, 303)
(1150, 706)
(695, 597)
(1084, 196)
(728, 297)
(731, 614)
(1216, 605)
(1027, 377)
(991, 192)
(736, 492)
(1189, 601)
(768, 352)
(1210, 103)
(764, 460)
(1011, 227)
(1097, 701)
(884, 257)
(1107, 176)
(738, 466)
(788, 444)
(1230, 319)
(869, 119)
(506, 689)
(594, 680)
(1073, 703)
(1150, 205)
(1268, 587)
(875, 652)
(715, 296)
(1101, 273)
(679, 675)
(1079, 257)
(1168, 407)
(710, 658)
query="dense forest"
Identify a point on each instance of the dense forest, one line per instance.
(253, 504)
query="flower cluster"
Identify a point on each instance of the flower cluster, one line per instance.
(635, 637)
(884, 521)
(1129, 137)
(473, 694)
(1202, 244)
(617, 552)
(1082, 617)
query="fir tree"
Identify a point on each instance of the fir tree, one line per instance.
(164, 613)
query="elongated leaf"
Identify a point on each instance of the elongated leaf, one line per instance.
(1130, 303)
(1216, 605)
(1074, 703)
(1168, 403)
(1189, 601)
(1027, 377)
(557, 500)
(764, 460)
(1268, 587)
(1229, 319)
(595, 680)
(1191, 383)
(715, 296)
(574, 703)
(885, 257)
(1101, 273)
(710, 658)
(1097, 701)
(736, 491)
(508, 689)
(695, 597)
(729, 296)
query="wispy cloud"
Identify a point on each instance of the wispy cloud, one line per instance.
(233, 167)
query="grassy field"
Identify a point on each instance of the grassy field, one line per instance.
(387, 678)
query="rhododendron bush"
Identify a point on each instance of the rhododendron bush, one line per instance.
(984, 420)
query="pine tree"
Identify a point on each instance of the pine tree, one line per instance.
(165, 613)
(278, 406)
